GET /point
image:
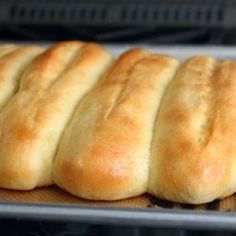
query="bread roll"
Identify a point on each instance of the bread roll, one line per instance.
(32, 123)
(193, 149)
(104, 153)
(13, 61)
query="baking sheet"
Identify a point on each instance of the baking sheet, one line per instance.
(55, 204)
(55, 195)
(52, 203)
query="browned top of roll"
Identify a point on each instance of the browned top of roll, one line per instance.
(193, 153)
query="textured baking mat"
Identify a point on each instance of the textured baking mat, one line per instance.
(54, 195)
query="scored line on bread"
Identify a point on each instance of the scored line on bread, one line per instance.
(13, 61)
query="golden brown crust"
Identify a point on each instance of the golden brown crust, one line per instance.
(7, 48)
(12, 65)
(193, 154)
(32, 123)
(104, 153)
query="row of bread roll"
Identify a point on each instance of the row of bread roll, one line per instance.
(108, 131)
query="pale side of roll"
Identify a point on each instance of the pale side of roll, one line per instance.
(104, 153)
(13, 62)
(194, 144)
(32, 123)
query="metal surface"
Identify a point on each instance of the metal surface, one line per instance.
(185, 219)
(181, 52)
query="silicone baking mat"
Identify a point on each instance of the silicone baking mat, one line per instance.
(54, 195)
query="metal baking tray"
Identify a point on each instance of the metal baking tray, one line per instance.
(51, 203)
(184, 219)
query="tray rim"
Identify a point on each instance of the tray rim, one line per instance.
(149, 217)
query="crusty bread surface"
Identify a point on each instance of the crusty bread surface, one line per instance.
(193, 148)
(33, 121)
(13, 62)
(104, 153)
(7, 48)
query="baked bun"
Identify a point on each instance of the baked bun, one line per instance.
(104, 153)
(193, 155)
(33, 121)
